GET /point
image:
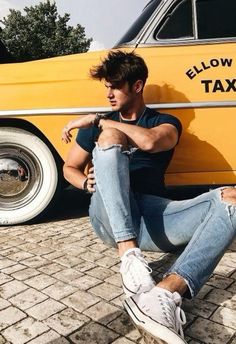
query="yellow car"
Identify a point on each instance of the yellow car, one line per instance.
(190, 49)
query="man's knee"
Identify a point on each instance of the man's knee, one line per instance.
(111, 136)
(229, 195)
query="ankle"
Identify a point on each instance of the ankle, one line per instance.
(173, 283)
(124, 246)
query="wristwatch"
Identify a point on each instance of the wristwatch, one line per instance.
(98, 118)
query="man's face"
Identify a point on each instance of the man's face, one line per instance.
(121, 98)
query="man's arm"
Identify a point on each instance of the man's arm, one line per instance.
(75, 164)
(153, 140)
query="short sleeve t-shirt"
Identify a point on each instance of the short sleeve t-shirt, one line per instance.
(147, 170)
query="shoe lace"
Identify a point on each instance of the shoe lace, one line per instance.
(138, 269)
(175, 316)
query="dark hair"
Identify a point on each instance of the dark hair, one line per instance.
(120, 67)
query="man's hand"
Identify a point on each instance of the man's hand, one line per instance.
(91, 180)
(82, 122)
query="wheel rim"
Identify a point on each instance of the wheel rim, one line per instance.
(20, 176)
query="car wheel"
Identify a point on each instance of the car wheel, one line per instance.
(28, 176)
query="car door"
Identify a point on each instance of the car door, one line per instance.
(190, 49)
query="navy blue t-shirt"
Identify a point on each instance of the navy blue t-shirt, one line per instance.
(147, 170)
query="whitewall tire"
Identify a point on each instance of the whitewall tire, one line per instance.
(28, 176)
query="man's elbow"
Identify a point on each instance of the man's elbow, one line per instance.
(149, 147)
(66, 172)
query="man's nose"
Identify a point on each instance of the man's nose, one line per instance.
(109, 93)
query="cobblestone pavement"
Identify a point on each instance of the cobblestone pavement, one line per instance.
(59, 284)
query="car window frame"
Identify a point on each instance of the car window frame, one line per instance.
(147, 39)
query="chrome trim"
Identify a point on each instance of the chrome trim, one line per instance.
(193, 105)
(86, 110)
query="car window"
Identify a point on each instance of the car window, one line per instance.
(216, 18)
(177, 23)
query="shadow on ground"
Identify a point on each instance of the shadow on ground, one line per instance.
(72, 203)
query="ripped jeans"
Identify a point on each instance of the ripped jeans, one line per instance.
(204, 225)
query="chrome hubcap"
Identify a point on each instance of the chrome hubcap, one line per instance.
(20, 176)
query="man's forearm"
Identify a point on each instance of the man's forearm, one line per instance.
(74, 176)
(152, 140)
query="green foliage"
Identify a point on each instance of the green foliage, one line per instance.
(41, 33)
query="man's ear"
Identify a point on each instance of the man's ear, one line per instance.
(138, 86)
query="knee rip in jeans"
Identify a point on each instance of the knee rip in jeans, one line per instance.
(123, 149)
(228, 195)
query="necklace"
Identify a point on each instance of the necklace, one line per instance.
(139, 118)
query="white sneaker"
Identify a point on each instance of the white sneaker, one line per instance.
(158, 316)
(135, 273)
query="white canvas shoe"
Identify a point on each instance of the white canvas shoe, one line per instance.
(135, 273)
(158, 316)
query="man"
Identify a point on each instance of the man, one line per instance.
(130, 149)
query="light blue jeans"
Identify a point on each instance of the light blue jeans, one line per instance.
(205, 226)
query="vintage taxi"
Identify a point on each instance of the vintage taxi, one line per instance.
(190, 49)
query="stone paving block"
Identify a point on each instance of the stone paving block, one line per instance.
(9, 251)
(13, 268)
(35, 262)
(85, 266)
(115, 280)
(29, 247)
(24, 331)
(50, 337)
(232, 288)
(108, 262)
(85, 282)
(106, 291)
(4, 278)
(91, 256)
(223, 298)
(25, 274)
(234, 341)
(40, 250)
(118, 301)
(27, 299)
(204, 291)
(59, 290)
(45, 309)
(5, 263)
(73, 251)
(101, 273)
(21, 255)
(220, 281)
(98, 247)
(67, 275)
(51, 269)
(199, 307)
(80, 300)
(103, 312)
(15, 241)
(93, 334)
(224, 270)
(40, 281)
(12, 288)
(54, 255)
(4, 304)
(209, 332)
(225, 316)
(67, 321)
(3, 340)
(123, 341)
(125, 327)
(68, 261)
(10, 316)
